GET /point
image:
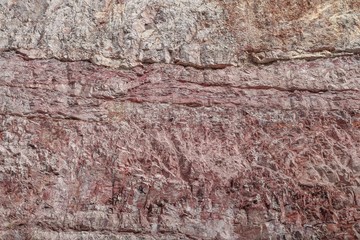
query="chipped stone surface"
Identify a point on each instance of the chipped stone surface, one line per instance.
(182, 119)
(201, 33)
(159, 151)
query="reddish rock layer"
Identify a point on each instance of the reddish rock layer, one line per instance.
(174, 152)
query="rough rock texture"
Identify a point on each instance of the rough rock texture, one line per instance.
(179, 119)
(199, 33)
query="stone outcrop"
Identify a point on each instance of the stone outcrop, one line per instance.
(198, 33)
(202, 119)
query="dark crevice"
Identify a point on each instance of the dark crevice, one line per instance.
(252, 58)
(46, 116)
(265, 87)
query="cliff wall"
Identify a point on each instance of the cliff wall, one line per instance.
(179, 119)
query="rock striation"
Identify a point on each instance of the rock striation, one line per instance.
(202, 119)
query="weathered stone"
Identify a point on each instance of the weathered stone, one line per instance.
(179, 119)
(200, 33)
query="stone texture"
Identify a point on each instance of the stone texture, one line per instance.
(200, 33)
(179, 119)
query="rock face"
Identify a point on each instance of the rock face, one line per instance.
(179, 119)
(198, 33)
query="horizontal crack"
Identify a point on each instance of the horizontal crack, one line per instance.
(45, 228)
(47, 116)
(266, 58)
(256, 58)
(267, 87)
(203, 67)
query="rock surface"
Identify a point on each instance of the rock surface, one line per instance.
(199, 33)
(202, 119)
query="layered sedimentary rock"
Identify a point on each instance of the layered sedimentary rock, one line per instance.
(202, 119)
